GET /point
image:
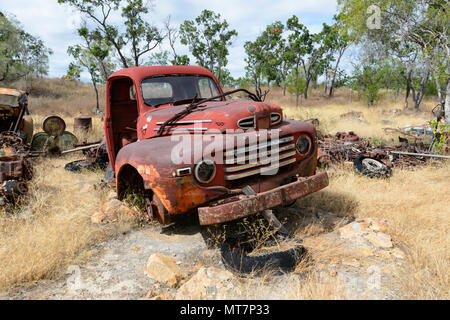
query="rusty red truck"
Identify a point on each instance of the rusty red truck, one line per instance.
(157, 115)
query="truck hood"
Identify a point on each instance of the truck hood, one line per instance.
(217, 115)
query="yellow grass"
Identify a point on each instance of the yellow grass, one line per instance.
(416, 201)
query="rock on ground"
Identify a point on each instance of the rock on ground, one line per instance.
(164, 269)
(208, 283)
(111, 211)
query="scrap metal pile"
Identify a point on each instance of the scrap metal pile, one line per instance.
(347, 146)
(96, 157)
(15, 168)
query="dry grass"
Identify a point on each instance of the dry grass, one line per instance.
(62, 97)
(58, 232)
(328, 111)
(415, 202)
(45, 234)
(51, 227)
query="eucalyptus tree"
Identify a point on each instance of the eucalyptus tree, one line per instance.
(208, 38)
(423, 23)
(21, 54)
(132, 38)
(90, 55)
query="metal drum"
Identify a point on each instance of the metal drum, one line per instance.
(41, 140)
(54, 126)
(66, 141)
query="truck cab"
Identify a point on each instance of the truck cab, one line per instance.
(14, 113)
(173, 135)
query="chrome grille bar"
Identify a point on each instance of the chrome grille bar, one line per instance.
(185, 122)
(257, 171)
(255, 156)
(252, 165)
(231, 153)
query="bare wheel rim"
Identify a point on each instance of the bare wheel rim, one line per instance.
(372, 165)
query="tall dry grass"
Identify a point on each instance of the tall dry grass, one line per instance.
(60, 97)
(416, 204)
(374, 119)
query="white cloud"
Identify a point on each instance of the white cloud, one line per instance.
(56, 24)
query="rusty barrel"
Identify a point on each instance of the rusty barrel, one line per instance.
(82, 124)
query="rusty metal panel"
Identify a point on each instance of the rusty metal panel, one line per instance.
(11, 170)
(249, 205)
(12, 92)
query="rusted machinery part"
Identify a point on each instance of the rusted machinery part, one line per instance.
(10, 139)
(372, 168)
(155, 210)
(236, 249)
(79, 165)
(14, 187)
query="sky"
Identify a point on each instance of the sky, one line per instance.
(56, 24)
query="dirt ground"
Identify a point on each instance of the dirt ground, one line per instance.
(116, 271)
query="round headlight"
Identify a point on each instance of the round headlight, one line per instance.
(303, 145)
(205, 171)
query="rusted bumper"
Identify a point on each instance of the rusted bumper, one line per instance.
(248, 205)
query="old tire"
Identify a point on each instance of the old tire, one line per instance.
(235, 250)
(77, 166)
(371, 167)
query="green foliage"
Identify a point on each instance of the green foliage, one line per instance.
(74, 71)
(141, 36)
(134, 39)
(181, 60)
(208, 38)
(409, 30)
(268, 57)
(296, 83)
(439, 131)
(158, 59)
(21, 54)
(368, 82)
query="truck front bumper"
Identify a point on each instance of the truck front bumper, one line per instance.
(248, 205)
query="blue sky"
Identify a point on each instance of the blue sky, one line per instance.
(56, 24)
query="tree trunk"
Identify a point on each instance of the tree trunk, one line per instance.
(408, 89)
(447, 102)
(306, 87)
(97, 106)
(439, 91)
(296, 86)
(333, 80)
(422, 87)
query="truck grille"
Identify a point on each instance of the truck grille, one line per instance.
(249, 122)
(244, 162)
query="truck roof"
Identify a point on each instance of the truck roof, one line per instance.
(139, 73)
(11, 92)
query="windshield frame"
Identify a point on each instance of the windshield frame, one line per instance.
(14, 98)
(201, 76)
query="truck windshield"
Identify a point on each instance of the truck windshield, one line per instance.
(7, 100)
(167, 89)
